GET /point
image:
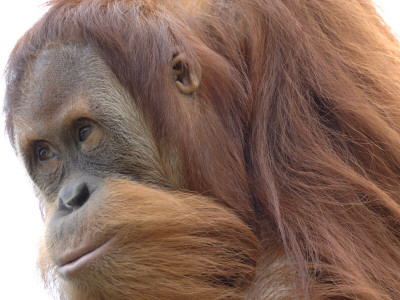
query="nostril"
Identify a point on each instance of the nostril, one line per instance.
(75, 194)
(81, 195)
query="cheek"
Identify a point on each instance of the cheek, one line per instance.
(47, 203)
(46, 177)
(157, 237)
(51, 168)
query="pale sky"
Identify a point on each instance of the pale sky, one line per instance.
(20, 221)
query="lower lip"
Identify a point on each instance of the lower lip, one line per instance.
(83, 261)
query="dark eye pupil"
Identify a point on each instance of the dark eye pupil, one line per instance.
(45, 154)
(84, 133)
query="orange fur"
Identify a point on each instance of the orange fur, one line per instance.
(293, 132)
(169, 246)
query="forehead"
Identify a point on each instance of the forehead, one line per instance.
(60, 77)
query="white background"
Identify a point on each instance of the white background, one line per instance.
(20, 221)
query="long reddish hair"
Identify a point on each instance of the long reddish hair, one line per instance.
(302, 130)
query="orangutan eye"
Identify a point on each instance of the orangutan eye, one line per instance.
(84, 133)
(45, 154)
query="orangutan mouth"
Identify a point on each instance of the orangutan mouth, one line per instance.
(81, 257)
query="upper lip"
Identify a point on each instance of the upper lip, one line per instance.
(74, 259)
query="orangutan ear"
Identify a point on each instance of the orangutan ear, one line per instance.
(185, 74)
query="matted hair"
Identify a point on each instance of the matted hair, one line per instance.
(309, 106)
